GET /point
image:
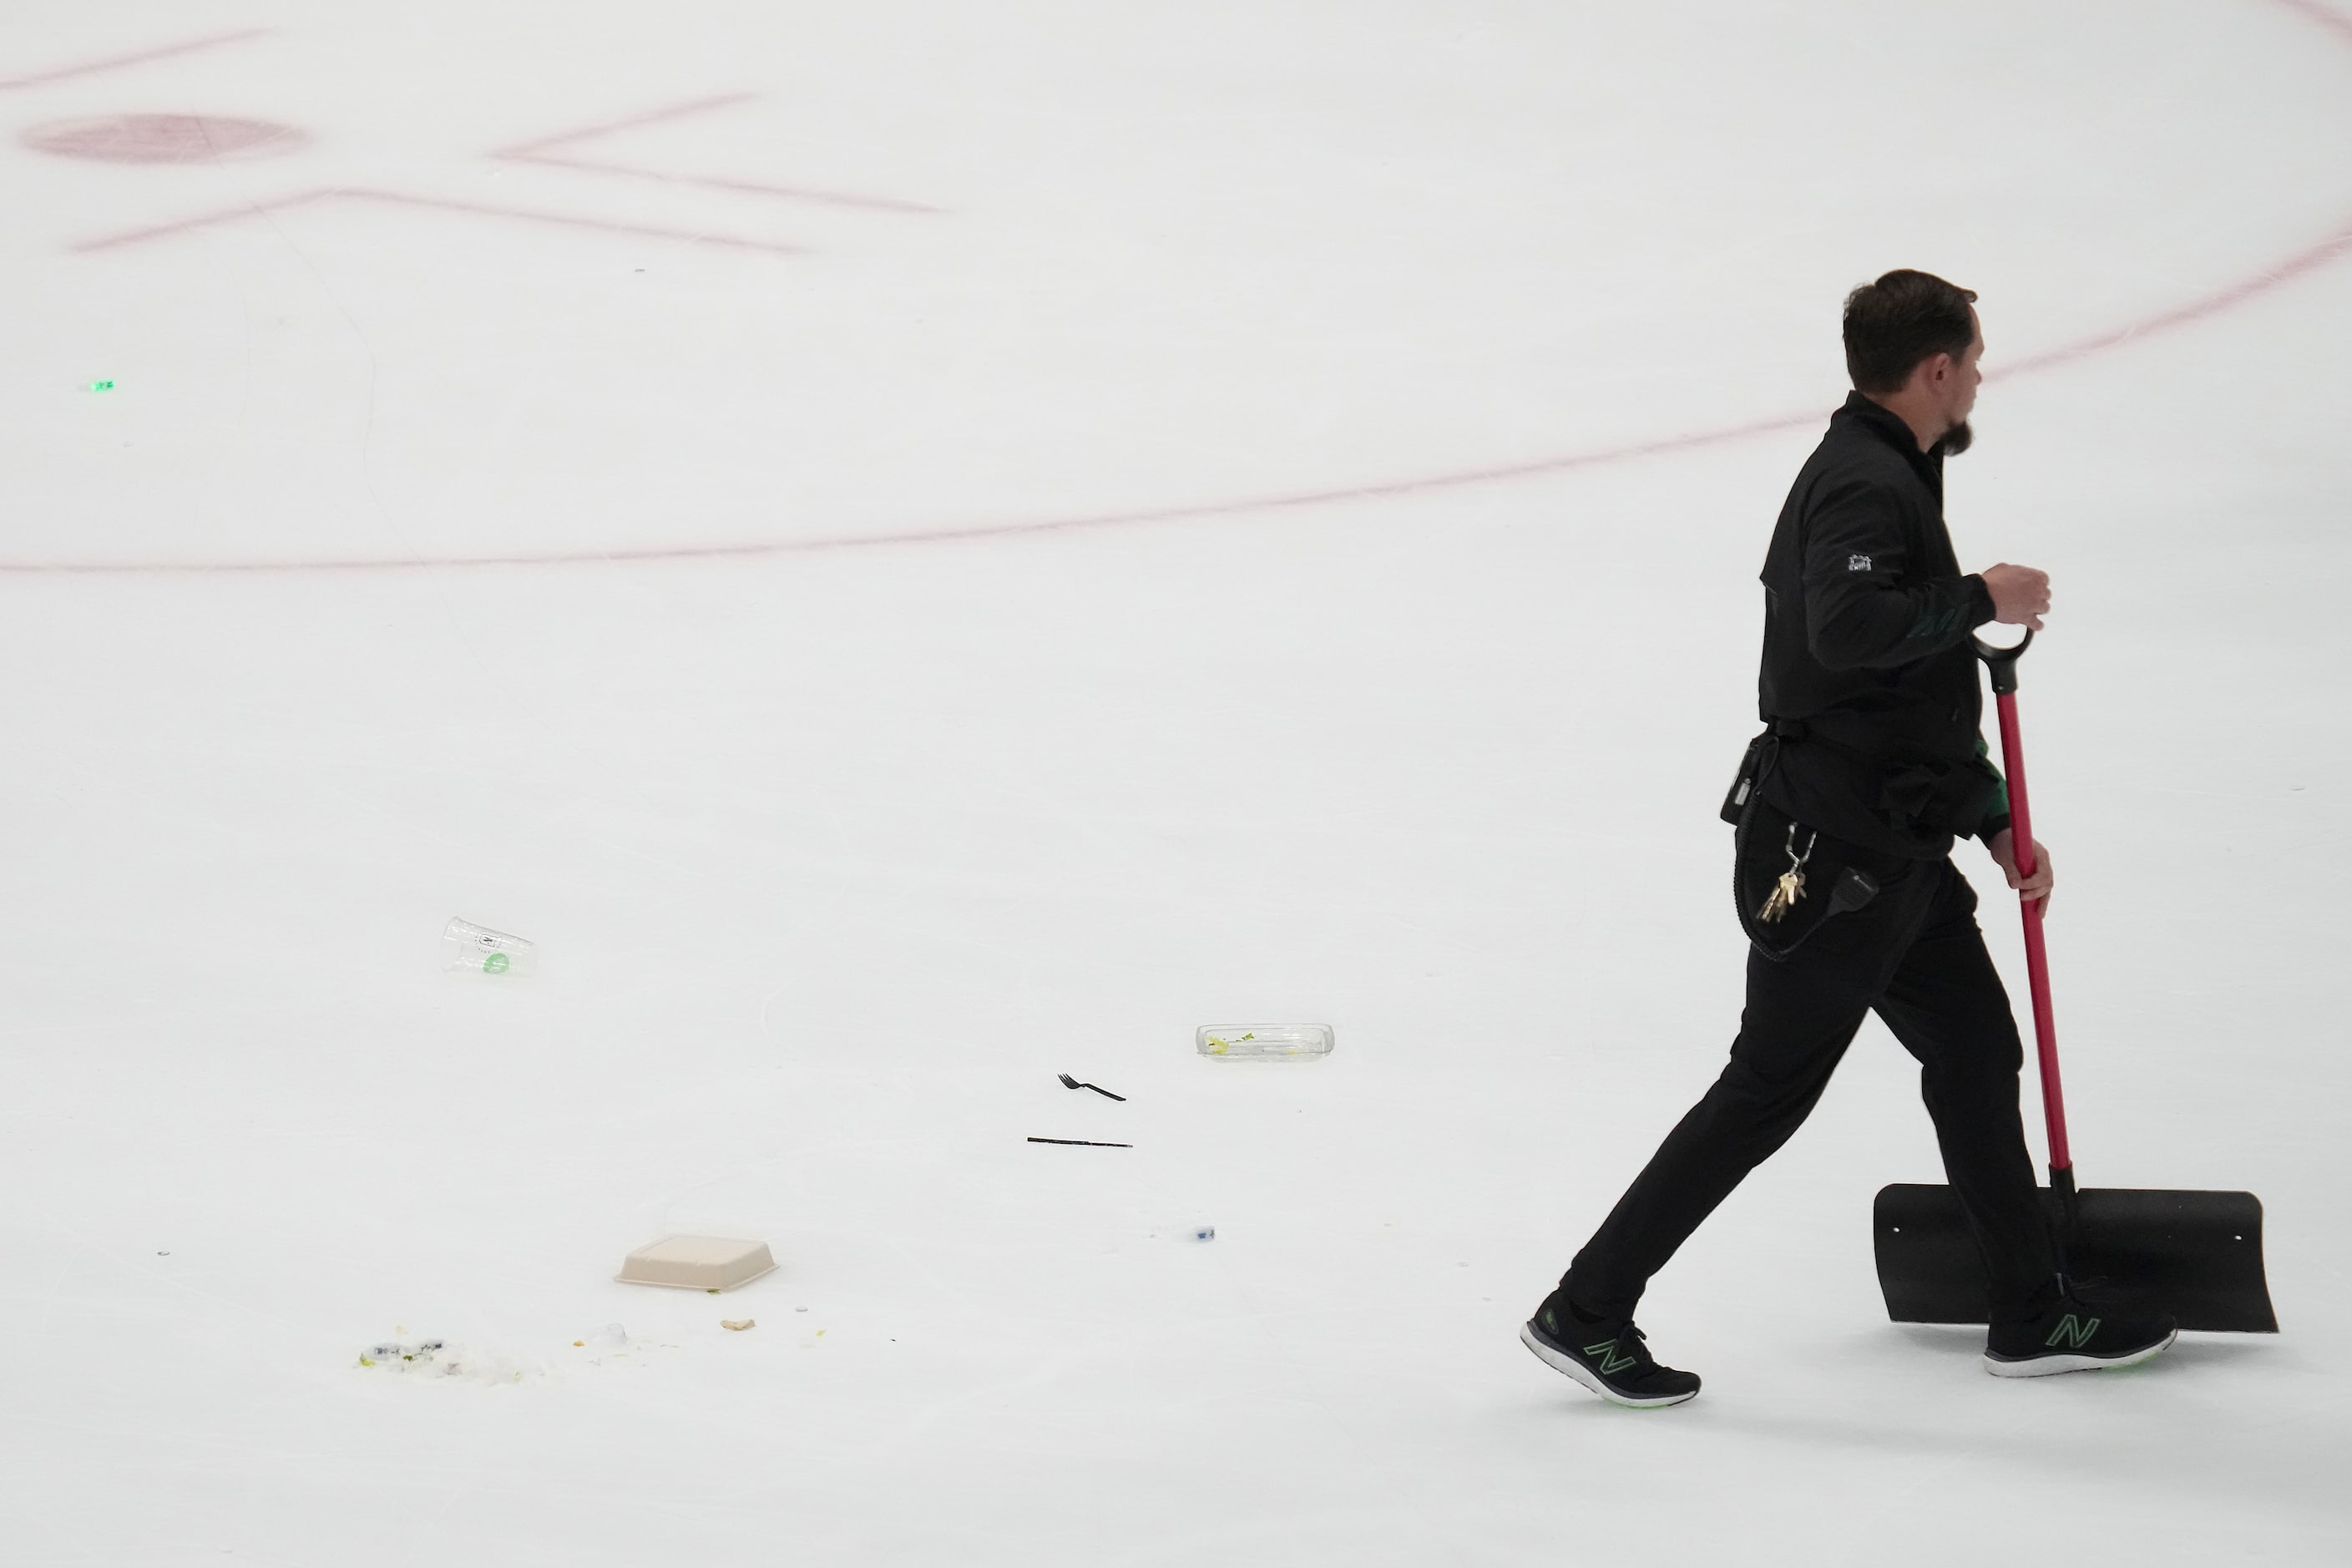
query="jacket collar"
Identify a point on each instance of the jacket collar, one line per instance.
(1888, 426)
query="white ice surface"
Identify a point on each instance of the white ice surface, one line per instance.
(837, 856)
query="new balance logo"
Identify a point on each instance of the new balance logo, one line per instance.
(1612, 1362)
(2074, 1331)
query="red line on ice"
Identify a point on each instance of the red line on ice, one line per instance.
(604, 225)
(227, 215)
(749, 187)
(2295, 266)
(537, 152)
(944, 535)
(2311, 10)
(479, 209)
(2306, 260)
(117, 62)
(606, 127)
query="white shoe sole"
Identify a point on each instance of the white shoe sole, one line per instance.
(2051, 1366)
(1585, 1375)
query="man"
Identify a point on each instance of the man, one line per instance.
(1847, 807)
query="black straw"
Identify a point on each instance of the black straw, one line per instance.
(1087, 1143)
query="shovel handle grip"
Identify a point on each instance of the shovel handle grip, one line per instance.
(2003, 663)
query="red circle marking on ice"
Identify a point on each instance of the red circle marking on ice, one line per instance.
(163, 139)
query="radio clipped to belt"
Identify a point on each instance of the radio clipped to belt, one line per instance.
(1762, 753)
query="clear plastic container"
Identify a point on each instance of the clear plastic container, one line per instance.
(1263, 1042)
(465, 946)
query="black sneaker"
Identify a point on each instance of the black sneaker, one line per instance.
(1607, 1356)
(2070, 1335)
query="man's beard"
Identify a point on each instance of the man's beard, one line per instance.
(1957, 440)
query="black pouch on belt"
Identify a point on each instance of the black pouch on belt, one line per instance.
(1765, 846)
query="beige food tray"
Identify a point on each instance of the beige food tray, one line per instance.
(698, 1263)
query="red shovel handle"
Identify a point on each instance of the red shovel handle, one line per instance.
(2003, 663)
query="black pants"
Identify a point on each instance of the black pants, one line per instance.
(1914, 956)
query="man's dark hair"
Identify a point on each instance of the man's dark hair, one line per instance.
(1903, 318)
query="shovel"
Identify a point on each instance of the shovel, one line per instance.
(2198, 1255)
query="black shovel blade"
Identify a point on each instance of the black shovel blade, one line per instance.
(2198, 1255)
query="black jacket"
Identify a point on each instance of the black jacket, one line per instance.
(1867, 675)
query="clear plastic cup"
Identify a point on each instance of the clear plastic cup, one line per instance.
(1263, 1042)
(479, 949)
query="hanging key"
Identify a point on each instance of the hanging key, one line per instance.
(1791, 884)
